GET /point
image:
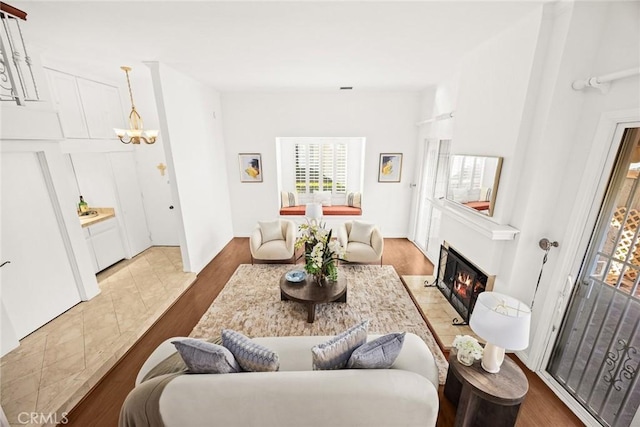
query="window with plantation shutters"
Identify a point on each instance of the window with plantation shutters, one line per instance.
(309, 165)
(321, 166)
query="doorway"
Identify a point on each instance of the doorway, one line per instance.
(596, 356)
(434, 171)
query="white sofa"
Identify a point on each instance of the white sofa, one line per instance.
(404, 395)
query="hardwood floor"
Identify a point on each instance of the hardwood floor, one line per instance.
(101, 406)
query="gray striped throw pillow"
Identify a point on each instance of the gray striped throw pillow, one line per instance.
(335, 353)
(250, 356)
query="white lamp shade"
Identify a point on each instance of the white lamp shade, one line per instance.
(313, 210)
(501, 320)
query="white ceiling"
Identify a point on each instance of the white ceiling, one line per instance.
(275, 45)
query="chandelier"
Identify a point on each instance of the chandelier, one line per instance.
(136, 132)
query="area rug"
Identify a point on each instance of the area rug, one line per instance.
(250, 303)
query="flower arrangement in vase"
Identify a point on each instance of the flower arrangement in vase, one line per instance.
(468, 349)
(320, 252)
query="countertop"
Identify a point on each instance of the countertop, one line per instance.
(100, 215)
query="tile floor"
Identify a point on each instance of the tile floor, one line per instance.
(55, 366)
(437, 309)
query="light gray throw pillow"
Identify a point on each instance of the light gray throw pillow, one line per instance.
(335, 353)
(271, 230)
(202, 357)
(361, 232)
(377, 354)
(251, 356)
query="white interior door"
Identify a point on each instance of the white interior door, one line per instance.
(131, 204)
(158, 200)
(424, 207)
(433, 184)
(38, 284)
(164, 231)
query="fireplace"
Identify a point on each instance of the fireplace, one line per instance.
(460, 282)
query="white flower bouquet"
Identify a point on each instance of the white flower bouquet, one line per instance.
(469, 349)
(320, 251)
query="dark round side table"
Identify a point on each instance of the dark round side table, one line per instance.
(482, 398)
(309, 293)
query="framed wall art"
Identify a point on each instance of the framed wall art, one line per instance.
(390, 168)
(250, 167)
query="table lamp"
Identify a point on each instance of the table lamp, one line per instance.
(503, 322)
(313, 213)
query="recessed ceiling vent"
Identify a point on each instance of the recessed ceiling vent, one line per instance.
(346, 87)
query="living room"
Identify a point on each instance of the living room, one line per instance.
(510, 94)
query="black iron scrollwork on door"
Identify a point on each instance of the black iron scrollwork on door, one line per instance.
(620, 361)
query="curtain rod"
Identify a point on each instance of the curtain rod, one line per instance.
(444, 116)
(602, 82)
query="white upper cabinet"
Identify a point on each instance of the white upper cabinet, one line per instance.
(102, 110)
(66, 100)
(87, 109)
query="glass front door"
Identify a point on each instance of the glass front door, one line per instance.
(597, 354)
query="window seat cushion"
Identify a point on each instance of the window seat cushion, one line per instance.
(326, 210)
(479, 205)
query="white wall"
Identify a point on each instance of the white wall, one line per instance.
(600, 38)
(515, 100)
(253, 121)
(155, 187)
(491, 95)
(190, 121)
(493, 86)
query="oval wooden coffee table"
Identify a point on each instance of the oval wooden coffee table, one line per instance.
(309, 293)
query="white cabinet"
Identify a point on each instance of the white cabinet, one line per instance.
(66, 101)
(92, 253)
(87, 109)
(110, 180)
(104, 243)
(102, 109)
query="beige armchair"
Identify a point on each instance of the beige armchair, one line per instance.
(362, 241)
(273, 240)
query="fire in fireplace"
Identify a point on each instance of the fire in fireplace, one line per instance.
(460, 282)
(466, 285)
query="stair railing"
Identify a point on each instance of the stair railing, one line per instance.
(17, 82)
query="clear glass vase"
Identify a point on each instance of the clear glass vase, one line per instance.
(465, 358)
(320, 279)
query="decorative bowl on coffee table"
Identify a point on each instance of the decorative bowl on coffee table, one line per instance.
(295, 276)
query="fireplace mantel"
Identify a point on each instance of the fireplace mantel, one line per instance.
(479, 223)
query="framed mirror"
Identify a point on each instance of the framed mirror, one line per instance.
(473, 182)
